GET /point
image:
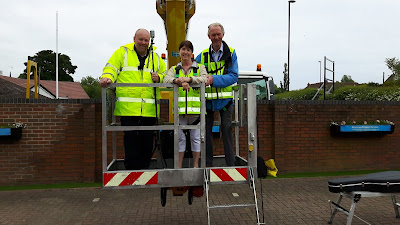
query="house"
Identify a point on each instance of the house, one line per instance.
(11, 87)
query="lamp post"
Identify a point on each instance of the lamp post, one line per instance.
(319, 71)
(288, 55)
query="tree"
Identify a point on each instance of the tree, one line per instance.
(285, 78)
(346, 78)
(46, 63)
(91, 86)
(394, 65)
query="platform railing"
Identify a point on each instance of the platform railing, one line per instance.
(114, 127)
(168, 176)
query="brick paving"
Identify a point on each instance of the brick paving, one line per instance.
(286, 201)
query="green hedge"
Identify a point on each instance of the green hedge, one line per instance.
(304, 94)
(366, 93)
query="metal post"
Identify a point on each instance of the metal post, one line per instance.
(103, 125)
(252, 125)
(236, 99)
(203, 126)
(57, 55)
(288, 77)
(113, 98)
(319, 71)
(324, 76)
(333, 80)
(383, 77)
(176, 127)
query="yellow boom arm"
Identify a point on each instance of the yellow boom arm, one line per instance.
(176, 15)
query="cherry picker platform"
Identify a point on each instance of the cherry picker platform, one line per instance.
(165, 173)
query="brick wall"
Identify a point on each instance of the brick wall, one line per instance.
(58, 144)
(301, 139)
(62, 142)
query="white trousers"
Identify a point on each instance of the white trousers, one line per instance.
(194, 135)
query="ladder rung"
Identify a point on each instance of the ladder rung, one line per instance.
(230, 206)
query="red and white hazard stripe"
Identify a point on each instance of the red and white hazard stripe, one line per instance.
(231, 174)
(130, 178)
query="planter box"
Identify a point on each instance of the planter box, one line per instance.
(362, 129)
(11, 133)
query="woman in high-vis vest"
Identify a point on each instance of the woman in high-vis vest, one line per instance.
(184, 74)
(136, 63)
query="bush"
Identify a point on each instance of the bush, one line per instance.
(366, 93)
(304, 94)
(391, 83)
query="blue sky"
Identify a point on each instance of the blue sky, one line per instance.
(357, 35)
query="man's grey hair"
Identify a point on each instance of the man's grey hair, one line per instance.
(216, 24)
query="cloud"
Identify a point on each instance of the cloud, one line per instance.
(357, 35)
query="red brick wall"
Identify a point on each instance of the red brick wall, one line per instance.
(58, 144)
(301, 141)
(62, 142)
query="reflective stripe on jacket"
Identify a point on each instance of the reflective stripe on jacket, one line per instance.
(123, 67)
(188, 101)
(216, 68)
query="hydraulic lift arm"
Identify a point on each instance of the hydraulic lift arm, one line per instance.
(176, 15)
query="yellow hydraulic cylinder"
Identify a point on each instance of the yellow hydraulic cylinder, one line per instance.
(176, 15)
(29, 65)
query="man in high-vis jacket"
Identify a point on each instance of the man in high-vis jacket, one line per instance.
(221, 63)
(136, 63)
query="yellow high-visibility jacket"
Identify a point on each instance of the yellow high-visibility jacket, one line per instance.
(216, 68)
(123, 67)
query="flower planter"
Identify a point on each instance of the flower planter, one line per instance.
(362, 129)
(10, 133)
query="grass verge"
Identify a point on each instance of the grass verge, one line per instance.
(48, 186)
(327, 174)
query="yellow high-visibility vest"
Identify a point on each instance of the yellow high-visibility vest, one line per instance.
(123, 67)
(216, 68)
(188, 101)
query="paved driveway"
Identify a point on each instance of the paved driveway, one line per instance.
(286, 201)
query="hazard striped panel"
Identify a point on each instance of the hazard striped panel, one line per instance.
(130, 178)
(231, 174)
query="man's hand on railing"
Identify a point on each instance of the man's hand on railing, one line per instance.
(210, 80)
(104, 81)
(155, 77)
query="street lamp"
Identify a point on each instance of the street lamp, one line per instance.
(288, 55)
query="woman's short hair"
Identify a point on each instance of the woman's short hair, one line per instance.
(187, 44)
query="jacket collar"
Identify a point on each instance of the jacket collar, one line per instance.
(130, 46)
(194, 64)
(226, 50)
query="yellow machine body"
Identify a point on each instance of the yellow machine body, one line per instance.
(29, 65)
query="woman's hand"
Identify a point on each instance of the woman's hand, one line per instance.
(182, 80)
(185, 86)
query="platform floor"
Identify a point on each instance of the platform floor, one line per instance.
(286, 201)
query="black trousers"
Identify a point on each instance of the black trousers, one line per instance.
(138, 144)
(227, 135)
